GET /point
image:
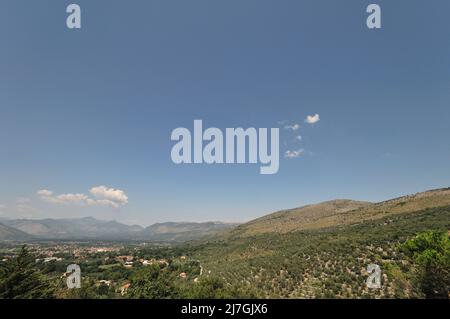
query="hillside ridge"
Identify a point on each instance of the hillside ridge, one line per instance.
(339, 212)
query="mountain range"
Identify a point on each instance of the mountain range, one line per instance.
(89, 228)
(334, 213)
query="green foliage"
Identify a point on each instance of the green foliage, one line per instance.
(89, 290)
(216, 288)
(430, 252)
(152, 282)
(323, 263)
(20, 279)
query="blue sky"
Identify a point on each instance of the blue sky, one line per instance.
(96, 106)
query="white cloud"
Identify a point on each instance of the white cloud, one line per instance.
(104, 197)
(45, 192)
(294, 153)
(293, 127)
(72, 198)
(298, 137)
(115, 195)
(79, 199)
(311, 119)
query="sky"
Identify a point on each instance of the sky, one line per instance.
(86, 115)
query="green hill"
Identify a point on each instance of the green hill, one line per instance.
(340, 212)
(323, 250)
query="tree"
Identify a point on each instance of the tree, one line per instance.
(209, 288)
(20, 279)
(152, 283)
(216, 288)
(430, 252)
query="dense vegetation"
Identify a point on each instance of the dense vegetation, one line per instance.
(20, 279)
(332, 262)
(412, 249)
(430, 253)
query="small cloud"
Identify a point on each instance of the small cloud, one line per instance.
(293, 127)
(294, 153)
(45, 192)
(104, 197)
(298, 137)
(311, 119)
(78, 199)
(112, 194)
(72, 198)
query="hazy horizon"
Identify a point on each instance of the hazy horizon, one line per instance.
(217, 221)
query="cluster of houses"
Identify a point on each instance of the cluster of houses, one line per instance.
(80, 252)
(128, 261)
(48, 259)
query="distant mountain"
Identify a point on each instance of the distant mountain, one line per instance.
(82, 228)
(91, 228)
(335, 213)
(9, 233)
(172, 231)
(339, 213)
